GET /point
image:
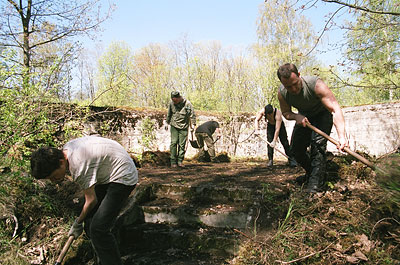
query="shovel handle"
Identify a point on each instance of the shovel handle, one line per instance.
(273, 147)
(64, 250)
(348, 150)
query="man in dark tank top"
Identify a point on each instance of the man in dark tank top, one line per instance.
(275, 128)
(317, 105)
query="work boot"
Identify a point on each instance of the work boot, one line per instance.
(302, 179)
(292, 162)
(214, 160)
(181, 165)
(270, 163)
(313, 185)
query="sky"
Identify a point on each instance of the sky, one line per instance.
(232, 22)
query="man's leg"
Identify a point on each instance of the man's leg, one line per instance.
(174, 145)
(210, 145)
(200, 140)
(103, 220)
(285, 143)
(299, 143)
(324, 122)
(270, 138)
(182, 138)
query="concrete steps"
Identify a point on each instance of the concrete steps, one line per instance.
(194, 218)
(201, 205)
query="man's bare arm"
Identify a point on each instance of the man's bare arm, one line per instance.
(329, 101)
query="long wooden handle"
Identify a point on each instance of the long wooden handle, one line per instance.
(64, 250)
(273, 147)
(348, 150)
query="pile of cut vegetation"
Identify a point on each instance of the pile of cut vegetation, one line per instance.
(353, 221)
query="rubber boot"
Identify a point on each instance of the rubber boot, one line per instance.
(292, 162)
(313, 185)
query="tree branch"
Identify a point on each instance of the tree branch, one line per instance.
(362, 8)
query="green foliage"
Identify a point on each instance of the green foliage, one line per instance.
(284, 36)
(373, 52)
(148, 132)
(114, 86)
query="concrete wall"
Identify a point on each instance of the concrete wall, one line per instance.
(374, 129)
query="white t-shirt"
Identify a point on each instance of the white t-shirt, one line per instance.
(96, 160)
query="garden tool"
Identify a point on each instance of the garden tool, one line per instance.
(273, 147)
(193, 141)
(64, 250)
(348, 150)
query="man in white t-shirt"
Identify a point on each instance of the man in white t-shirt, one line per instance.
(106, 173)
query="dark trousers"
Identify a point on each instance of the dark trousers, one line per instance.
(98, 224)
(314, 162)
(282, 137)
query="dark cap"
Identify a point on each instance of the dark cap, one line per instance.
(269, 109)
(175, 94)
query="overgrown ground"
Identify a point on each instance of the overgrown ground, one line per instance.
(352, 221)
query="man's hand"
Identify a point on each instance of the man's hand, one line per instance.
(343, 142)
(76, 229)
(301, 120)
(273, 144)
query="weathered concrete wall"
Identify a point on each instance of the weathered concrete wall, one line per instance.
(374, 129)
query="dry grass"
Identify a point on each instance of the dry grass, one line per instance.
(354, 221)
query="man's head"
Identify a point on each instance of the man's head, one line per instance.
(176, 97)
(290, 78)
(268, 109)
(48, 163)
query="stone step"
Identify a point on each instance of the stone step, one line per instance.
(220, 215)
(163, 238)
(200, 193)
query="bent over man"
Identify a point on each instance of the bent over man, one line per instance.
(204, 136)
(275, 128)
(107, 175)
(316, 105)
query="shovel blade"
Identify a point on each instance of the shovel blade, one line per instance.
(194, 144)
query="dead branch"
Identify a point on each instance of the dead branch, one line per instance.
(380, 221)
(305, 257)
(362, 8)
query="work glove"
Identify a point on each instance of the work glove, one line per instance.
(273, 144)
(76, 229)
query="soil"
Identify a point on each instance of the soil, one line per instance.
(349, 204)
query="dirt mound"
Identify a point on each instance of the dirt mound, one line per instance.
(158, 158)
(221, 157)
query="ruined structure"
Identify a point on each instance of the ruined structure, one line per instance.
(373, 129)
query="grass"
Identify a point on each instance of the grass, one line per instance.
(353, 216)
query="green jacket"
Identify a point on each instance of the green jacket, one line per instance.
(180, 114)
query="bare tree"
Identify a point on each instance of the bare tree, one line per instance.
(26, 25)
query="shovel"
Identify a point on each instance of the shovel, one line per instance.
(194, 142)
(273, 147)
(64, 250)
(348, 150)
